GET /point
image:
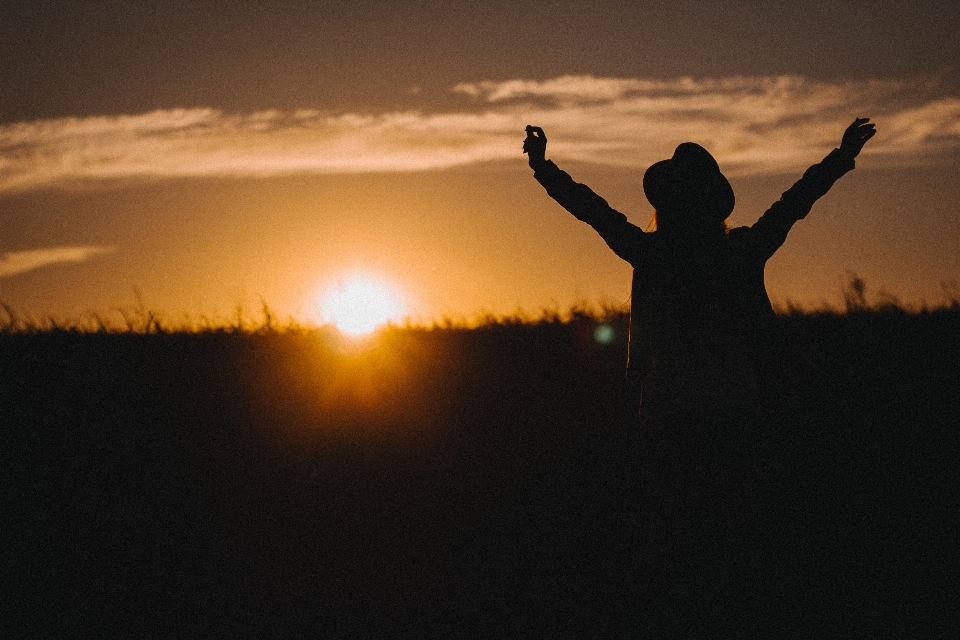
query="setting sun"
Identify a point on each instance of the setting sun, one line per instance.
(359, 304)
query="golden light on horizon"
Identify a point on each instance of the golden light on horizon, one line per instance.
(360, 303)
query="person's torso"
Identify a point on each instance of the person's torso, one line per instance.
(698, 310)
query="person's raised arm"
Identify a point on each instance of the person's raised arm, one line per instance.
(769, 233)
(621, 236)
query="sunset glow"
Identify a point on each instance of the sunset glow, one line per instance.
(219, 154)
(360, 304)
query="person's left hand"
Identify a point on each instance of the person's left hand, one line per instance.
(535, 146)
(856, 136)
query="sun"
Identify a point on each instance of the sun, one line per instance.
(359, 304)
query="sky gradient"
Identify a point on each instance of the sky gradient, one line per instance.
(207, 155)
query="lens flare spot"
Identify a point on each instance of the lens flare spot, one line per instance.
(603, 334)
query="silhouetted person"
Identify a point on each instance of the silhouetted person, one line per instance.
(700, 329)
(699, 308)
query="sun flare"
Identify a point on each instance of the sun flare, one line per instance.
(359, 304)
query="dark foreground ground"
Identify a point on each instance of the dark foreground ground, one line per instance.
(454, 483)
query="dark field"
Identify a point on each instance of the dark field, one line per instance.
(455, 483)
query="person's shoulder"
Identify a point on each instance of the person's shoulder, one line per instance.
(652, 238)
(741, 238)
(738, 234)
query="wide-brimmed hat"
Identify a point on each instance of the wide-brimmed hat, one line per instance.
(689, 181)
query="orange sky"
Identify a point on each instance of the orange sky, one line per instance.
(208, 160)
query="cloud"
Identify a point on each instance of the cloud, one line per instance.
(15, 262)
(753, 125)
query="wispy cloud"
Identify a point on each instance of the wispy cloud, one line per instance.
(15, 262)
(753, 125)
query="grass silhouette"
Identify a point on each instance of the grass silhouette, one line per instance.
(264, 478)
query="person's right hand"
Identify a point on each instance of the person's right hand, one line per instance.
(535, 146)
(856, 136)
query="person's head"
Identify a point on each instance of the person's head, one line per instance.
(688, 191)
